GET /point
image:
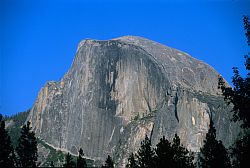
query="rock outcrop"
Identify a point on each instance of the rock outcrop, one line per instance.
(119, 90)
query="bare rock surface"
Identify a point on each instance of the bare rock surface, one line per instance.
(119, 90)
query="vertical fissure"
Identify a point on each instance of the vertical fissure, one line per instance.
(175, 106)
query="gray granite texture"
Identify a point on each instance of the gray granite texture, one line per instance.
(119, 90)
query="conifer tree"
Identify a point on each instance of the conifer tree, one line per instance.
(145, 154)
(164, 154)
(239, 96)
(81, 162)
(213, 154)
(173, 155)
(240, 151)
(69, 163)
(182, 157)
(132, 163)
(7, 156)
(52, 164)
(27, 147)
(109, 163)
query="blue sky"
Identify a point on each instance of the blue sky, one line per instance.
(38, 39)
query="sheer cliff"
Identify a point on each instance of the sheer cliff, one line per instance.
(119, 90)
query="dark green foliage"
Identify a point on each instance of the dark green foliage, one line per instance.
(81, 162)
(57, 156)
(240, 152)
(108, 163)
(69, 163)
(54, 156)
(145, 154)
(173, 155)
(132, 163)
(7, 156)
(239, 96)
(247, 28)
(52, 164)
(27, 147)
(137, 117)
(17, 120)
(213, 154)
(164, 153)
(182, 157)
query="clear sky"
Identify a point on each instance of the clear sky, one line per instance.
(38, 39)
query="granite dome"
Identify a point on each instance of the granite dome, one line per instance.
(119, 90)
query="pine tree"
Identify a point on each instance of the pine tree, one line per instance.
(52, 164)
(239, 96)
(247, 30)
(69, 163)
(132, 163)
(145, 154)
(182, 157)
(7, 156)
(213, 154)
(164, 154)
(108, 163)
(240, 151)
(27, 147)
(81, 162)
(173, 155)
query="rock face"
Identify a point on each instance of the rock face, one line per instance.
(119, 90)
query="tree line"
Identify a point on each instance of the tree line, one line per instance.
(173, 154)
(166, 154)
(239, 97)
(24, 155)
